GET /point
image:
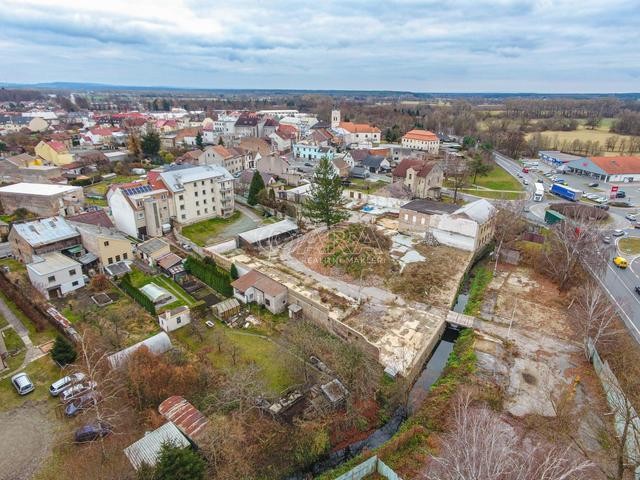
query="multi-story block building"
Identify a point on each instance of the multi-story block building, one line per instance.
(54, 274)
(199, 193)
(140, 210)
(423, 140)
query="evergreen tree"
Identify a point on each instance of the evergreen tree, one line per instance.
(63, 352)
(325, 202)
(477, 166)
(233, 271)
(257, 185)
(151, 143)
(220, 141)
(199, 141)
(178, 463)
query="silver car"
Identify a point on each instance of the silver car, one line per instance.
(61, 385)
(22, 383)
(76, 391)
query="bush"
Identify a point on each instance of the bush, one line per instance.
(63, 352)
(211, 274)
(137, 295)
(178, 463)
(99, 283)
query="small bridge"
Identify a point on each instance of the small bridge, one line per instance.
(460, 319)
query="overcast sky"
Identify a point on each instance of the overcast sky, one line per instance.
(422, 46)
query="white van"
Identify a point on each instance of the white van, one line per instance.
(60, 385)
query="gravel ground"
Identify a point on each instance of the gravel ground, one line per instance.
(26, 436)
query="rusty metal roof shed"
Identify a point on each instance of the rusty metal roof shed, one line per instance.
(185, 416)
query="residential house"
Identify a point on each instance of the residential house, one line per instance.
(53, 153)
(310, 151)
(187, 137)
(38, 237)
(376, 163)
(107, 244)
(247, 125)
(256, 287)
(153, 249)
(243, 182)
(255, 145)
(54, 274)
(341, 167)
(99, 218)
(359, 172)
(414, 217)
(199, 193)
(191, 157)
(283, 138)
(470, 227)
(139, 210)
(423, 140)
(43, 199)
(267, 127)
(234, 160)
(171, 320)
(422, 177)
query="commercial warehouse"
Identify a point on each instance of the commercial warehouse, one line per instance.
(607, 169)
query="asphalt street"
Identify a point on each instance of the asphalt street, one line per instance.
(618, 283)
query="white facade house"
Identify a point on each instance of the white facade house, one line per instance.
(470, 228)
(54, 274)
(199, 193)
(140, 211)
(171, 320)
(422, 140)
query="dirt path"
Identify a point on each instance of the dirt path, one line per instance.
(26, 436)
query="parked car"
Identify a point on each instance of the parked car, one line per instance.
(620, 262)
(591, 196)
(631, 217)
(618, 233)
(76, 391)
(92, 431)
(603, 207)
(22, 383)
(606, 239)
(600, 200)
(636, 225)
(81, 403)
(621, 194)
(61, 385)
(561, 181)
(525, 170)
(637, 289)
(186, 246)
(594, 184)
(525, 182)
(307, 164)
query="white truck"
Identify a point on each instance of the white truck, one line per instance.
(538, 195)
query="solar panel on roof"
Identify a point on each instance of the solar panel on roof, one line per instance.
(137, 190)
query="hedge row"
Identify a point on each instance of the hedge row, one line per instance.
(214, 276)
(137, 295)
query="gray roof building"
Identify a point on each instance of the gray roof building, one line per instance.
(147, 449)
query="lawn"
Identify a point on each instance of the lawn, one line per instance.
(96, 202)
(630, 245)
(14, 265)
(492, 194)
(499, 179)
(203, 233)
(13, 342)
(275, 363)
(42, 373)
(363, 185)
(101, 188)
(49, 333)
(139, 279)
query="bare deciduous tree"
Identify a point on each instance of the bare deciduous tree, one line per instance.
(481, 446)
(509, 225)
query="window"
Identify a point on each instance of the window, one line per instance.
(110, 260)
(72, 272)
(267, 302)
(140, 214)
(52, 278)
(183, 217)
(117, 258)
(197, 212)
(202, 182)
(196, 194)
(125, 256)
(204, 192)
(106, 243)
(181, 207)
(406, 217)
(178, 320)
(180, 197)
(197, 204)
(206, 210)
(75, 284)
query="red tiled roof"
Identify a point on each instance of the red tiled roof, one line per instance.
(288, 129)
(403, 166)
(359, 127)
(618, 165)
(423, 135)
(57, 146)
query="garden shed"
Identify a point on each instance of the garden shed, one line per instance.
(227, 309)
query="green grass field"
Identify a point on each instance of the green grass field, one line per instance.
(363, 185)
(493, 194)
(139, 279)
(203, 233)
(49, 333)
(630, 245)
(42, 373)
(274, 362)
(499, 179)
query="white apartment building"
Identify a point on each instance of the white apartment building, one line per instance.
(54, 274)
(200, 192)
(423, 140)
(140, 211)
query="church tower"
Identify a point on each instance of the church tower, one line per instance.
(335, 118)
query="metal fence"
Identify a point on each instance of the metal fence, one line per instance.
(625, 416)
